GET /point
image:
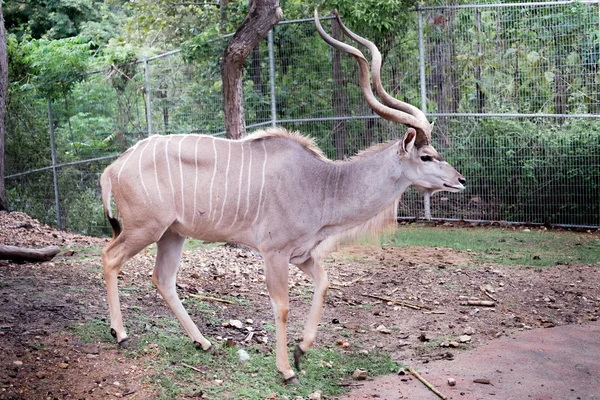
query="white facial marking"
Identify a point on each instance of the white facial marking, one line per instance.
(262, 185)
(226, 181)
(156, 169)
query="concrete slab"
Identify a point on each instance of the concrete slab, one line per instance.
(560, 363)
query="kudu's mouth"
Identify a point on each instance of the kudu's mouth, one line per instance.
(456, 188)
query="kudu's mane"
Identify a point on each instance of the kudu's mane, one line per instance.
(307, 142)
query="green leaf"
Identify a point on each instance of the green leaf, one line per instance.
(533, 57)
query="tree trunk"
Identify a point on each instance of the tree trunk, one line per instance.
(223, 16)
(22, 254)
(3, 94)
(339, 96)
(262, 16)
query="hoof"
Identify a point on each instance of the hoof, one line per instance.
(113, 333)
(297, 354)
(126, 344)
(210, 348)
(293, 381)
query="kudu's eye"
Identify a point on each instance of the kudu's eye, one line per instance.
(426, 158)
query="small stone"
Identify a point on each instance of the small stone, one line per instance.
(18, 363)
(381, 328)
(454, 344)
(218, 381)
(63, 365)
(315, 396)
(359, 375)
(243, 354)
(451, 382)
(40, 375)
(464, 339)
(236, 323)
(469, 331)
(117, 383)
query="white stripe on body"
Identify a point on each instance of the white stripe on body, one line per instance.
(195, 182)
(237, 210)
(249, 176)
(181, 176)
(133, 149)
(226, 182)
(169, 169)
(140, 168)
(156, 170)
(262, 185)
(212, 181)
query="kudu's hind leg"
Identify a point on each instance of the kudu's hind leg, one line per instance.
(312, 268)
(164, 278)
(277, 273)
(114, 255)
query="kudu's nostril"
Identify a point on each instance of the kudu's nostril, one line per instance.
(462, 181)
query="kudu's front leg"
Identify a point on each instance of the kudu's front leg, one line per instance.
(277, 273)
(312, 268)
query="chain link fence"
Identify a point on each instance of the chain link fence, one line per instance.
(514, 90)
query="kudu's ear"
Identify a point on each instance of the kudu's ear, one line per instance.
(408, 141)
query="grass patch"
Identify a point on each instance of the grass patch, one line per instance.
(166, 350)
(325, 369)
(92, 331)
(504, 247)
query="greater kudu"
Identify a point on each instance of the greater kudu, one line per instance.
(274, 192)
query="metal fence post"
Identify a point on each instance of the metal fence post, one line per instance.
(147, 89)
(272, 80)
(54, 169)
(423, 86)
(422, 82)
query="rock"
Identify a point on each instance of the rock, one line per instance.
(381, 328)
(424, 337)
(453, 343)
(218, 381)
(315, 396)
(18, 363)
(243, 354)
(40, 375)
(359, 375)
(63, 365)
(464, 339)
(90, 349)
(469, 331)
(451, 382)
(236, 323)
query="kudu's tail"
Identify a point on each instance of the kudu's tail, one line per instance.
(106, 185)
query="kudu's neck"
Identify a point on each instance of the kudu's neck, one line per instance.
(366, 186)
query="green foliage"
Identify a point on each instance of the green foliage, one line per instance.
(57, 65)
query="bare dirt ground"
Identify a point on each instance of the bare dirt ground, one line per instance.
(40, 304)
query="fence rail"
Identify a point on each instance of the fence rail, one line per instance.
(514, 89)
